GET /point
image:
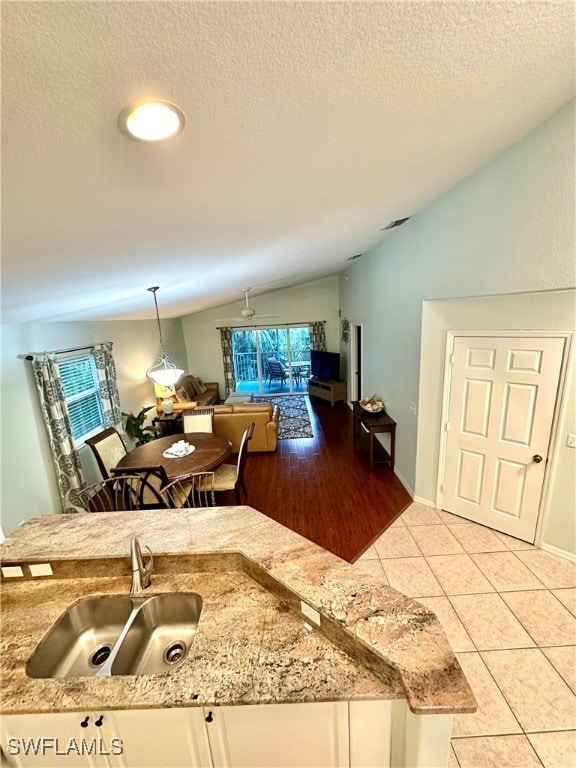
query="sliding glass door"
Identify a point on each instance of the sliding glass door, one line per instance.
(272, 360)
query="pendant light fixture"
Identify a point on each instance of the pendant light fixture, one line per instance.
(163, 372)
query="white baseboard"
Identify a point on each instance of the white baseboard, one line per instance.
(560, 552)
(426, 502)
(404, 482)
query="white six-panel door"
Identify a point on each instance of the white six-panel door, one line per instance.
(501, 407)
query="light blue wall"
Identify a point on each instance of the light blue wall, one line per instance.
(508, 228)
(28, 480)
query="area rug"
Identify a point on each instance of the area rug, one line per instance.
(294, 416)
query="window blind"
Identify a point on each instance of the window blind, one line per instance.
(81, 392)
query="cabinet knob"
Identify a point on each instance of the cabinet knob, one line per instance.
(99, 721)
(209, 717)
(84, 723)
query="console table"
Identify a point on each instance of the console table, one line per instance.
(373, 423)
(326, 389)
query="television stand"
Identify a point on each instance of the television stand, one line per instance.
(327, 389)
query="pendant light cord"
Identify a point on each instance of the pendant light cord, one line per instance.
(153, 291)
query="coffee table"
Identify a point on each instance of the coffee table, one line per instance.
(239, 397)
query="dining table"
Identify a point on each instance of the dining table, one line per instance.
(209, 451)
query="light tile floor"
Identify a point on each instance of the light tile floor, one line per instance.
(509, 611)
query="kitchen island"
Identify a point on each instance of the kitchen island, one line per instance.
(284, 624)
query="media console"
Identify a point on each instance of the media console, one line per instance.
(327, 389)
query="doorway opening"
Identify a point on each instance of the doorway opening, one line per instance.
(273, 360)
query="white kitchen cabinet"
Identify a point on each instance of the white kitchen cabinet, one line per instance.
(355, 734)
(162, 738)
(279, 735)
(58, 740)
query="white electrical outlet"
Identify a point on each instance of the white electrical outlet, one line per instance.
(412, 408)
(40, 569)
(12, 571)
(309, 612)
(571, 440)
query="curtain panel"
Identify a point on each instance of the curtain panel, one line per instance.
(227, 358)
(55, 415)
(108, 389)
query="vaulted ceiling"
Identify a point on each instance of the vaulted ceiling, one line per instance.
(310, 126)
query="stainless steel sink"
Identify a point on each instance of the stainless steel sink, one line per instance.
(160, 635)
(119, 635)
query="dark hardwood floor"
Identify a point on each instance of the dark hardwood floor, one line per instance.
(322, 488)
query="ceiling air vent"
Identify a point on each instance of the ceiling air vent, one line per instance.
(396, 223)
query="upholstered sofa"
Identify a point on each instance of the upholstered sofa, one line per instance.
(230, 421)
(192, 392)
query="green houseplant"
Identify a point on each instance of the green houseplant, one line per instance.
(135, 426)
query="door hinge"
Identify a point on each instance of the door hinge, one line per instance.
(452, 358)
(446, 427)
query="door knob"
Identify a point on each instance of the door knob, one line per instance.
(536, 459)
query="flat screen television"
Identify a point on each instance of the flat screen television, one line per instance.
(325, 365)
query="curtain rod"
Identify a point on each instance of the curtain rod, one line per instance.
(30, 355)
(270, 325)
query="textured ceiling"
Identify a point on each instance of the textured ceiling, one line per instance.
(310, 126)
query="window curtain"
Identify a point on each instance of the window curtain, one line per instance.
(57, 421)
(318, 336)
(108, 388)
(227, 357)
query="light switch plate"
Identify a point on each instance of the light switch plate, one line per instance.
(571, 440)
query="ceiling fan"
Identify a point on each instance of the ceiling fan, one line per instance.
(246, 315)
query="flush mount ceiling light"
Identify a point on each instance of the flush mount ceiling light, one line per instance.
(163, 372)
(151, 120)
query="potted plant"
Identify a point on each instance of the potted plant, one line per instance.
(135, 426)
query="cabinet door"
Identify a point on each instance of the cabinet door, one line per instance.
(57, 741)
(279, 736)
(162, 738)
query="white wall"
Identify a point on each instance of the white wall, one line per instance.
(28, 480)
(506, 229)
(317, 300)
(550, 311)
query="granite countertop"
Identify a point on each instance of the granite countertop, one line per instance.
(252, 645)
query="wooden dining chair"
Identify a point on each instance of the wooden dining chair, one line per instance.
(108, 448)
(122, 493)
(190, 492)
(198, 420)
(164, 492)
(230, 477)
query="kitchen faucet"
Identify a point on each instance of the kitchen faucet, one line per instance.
(140, 573)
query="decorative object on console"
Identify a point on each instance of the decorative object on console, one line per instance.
(167, 406)
(372, 404)
(345, 324)
(163, 372)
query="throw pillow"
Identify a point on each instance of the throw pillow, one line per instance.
(195, 385)
(202, 386)
(183, 396)
(187, 384)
